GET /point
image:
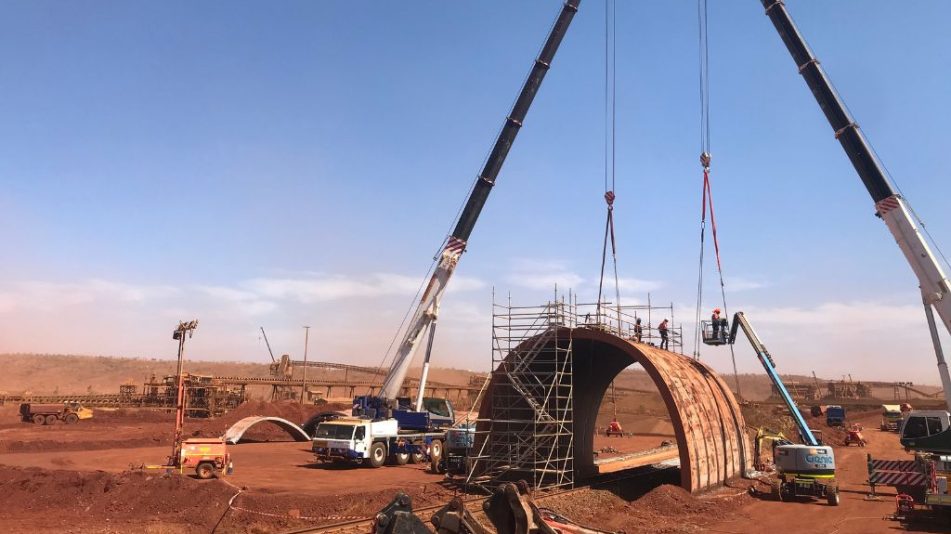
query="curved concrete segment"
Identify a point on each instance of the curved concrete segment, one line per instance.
(711, 439)
(233, 435)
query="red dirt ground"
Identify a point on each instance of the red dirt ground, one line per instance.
(76, 478)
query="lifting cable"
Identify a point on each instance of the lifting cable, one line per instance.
(610, 136)
(707, 192)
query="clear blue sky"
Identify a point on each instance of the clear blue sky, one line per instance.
(294, 163)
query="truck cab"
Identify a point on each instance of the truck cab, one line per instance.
(835, 416)
(927, 430)
(891, 417)
(356, 440)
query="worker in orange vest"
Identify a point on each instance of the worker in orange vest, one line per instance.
(662, 328)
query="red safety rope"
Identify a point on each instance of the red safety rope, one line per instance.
(708, 200)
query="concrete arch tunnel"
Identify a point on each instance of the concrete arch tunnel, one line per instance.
(235, 433)
(709, 427)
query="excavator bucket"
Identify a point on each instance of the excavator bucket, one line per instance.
(397, 518)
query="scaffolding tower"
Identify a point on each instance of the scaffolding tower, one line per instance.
(530, 429)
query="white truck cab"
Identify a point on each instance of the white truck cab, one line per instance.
(354, 439)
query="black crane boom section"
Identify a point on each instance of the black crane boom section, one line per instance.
(480, 193)
(846, 130)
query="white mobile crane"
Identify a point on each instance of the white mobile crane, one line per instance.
(423, 323)
(928, 430)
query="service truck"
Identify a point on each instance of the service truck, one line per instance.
(372, 443)
(891, 417)
(835, 416)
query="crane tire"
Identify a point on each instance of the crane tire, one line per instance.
(435, 450)
(419, 456)
(377, 455)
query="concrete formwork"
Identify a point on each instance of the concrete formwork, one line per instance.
(710, 429)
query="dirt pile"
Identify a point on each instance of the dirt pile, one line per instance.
(664, 509)
(45, 499)
(135, 501)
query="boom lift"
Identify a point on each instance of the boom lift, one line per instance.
(923, 431)
(423, 323)
(806, 469)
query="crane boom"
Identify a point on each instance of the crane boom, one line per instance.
(889, 205)
(268, 343)
(428, 306)
(740, 321)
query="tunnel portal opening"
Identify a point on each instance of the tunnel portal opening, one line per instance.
(543, 401)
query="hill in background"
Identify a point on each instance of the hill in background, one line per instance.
(69, 374)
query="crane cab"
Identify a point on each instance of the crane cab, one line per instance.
(715, 335)
(927, 431)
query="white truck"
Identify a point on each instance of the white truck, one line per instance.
(372, 443)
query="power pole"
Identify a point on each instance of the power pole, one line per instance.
(303, 387)
(179, 335)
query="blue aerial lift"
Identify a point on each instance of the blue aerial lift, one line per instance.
(806, 469)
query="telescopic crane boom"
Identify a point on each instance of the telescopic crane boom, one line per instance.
(889, 205)
(424, 317)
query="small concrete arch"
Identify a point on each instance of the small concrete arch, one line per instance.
(234, 434)
(709, 427)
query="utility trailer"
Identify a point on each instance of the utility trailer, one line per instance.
(373, 443)
(208, 456)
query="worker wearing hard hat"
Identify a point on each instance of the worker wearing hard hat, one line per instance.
(662, 328)
(719, 325)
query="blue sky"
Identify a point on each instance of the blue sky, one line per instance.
(299, 163)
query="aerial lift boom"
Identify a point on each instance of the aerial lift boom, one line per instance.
(889, 205)
(740, 321)
(424, 317)
(806, 469)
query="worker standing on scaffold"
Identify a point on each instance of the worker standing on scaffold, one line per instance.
(662, 328)
(638, 330)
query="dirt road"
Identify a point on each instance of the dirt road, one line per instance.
(855, 515)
